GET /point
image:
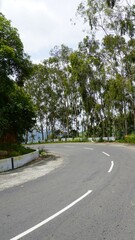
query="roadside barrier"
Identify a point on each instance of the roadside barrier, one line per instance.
(16, 162)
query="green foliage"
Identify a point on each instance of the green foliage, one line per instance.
(130, 138)
(42, 153)
(17, 113)
(16, 109)
(12, 150)
(108, 16)
(13, 61)
(93, 88)
(111, 3)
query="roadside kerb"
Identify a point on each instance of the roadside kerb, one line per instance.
(15, 162)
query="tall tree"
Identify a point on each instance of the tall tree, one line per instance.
(109, 16)
(15, 66)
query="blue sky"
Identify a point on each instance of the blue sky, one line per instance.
(42, 24)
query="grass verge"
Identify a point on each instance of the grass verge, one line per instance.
(13, 150)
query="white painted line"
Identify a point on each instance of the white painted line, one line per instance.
(88, 148)
(106, 154)
(69, 146)
(112, 164)
(51, 218)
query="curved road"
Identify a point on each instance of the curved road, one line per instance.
(90, 196)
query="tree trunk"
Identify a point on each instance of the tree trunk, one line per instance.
(9, 137)
(42, 132)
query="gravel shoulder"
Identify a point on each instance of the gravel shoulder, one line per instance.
(31, 171)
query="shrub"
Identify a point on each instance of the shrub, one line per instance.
(130, 138)
(13, 150)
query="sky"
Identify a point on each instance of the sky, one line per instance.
(43, 24)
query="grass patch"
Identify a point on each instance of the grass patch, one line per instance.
(130, 138)
(13, 150)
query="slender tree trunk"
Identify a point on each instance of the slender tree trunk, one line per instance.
(83, 126)
(42, 132)
(125, 120)
(46, 128)
(67, 125)
(76, 122)
(134, 109)
(67, 118)
(26, 137)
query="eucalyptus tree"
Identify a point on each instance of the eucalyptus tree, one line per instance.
(53, 94)
(63, 78)
(115, 22)
(35, 87)
(75, 103)
(119, 61)
(42, 87)
(110, 16)
(129, 71)
(87, 69)
(113, 51)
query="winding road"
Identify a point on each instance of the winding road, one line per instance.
(90, 195)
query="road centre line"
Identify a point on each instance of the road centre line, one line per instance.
(88, 148)
(51, 217)
(106, 154)
(112, 164)
(69, 146)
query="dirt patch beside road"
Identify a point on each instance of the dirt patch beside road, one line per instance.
(31, 171)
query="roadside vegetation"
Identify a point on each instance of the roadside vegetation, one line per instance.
(92, 89)
(13, 150)
(129, 138)
(17, 113)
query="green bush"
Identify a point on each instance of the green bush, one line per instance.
(13, 150)
(130, 138)
(100, 140)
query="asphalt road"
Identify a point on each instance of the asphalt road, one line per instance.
(89, 196)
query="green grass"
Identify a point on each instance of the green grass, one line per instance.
(13, 150)
(130, 138)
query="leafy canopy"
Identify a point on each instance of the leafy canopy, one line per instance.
(16, 108)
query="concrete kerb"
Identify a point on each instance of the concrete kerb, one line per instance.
(16, 162)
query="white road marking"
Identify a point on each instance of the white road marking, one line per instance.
(51, 217)
(69, 146)
(112, 164)
(106, 154)
(88, 148)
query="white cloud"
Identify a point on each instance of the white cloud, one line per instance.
(43, 24)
